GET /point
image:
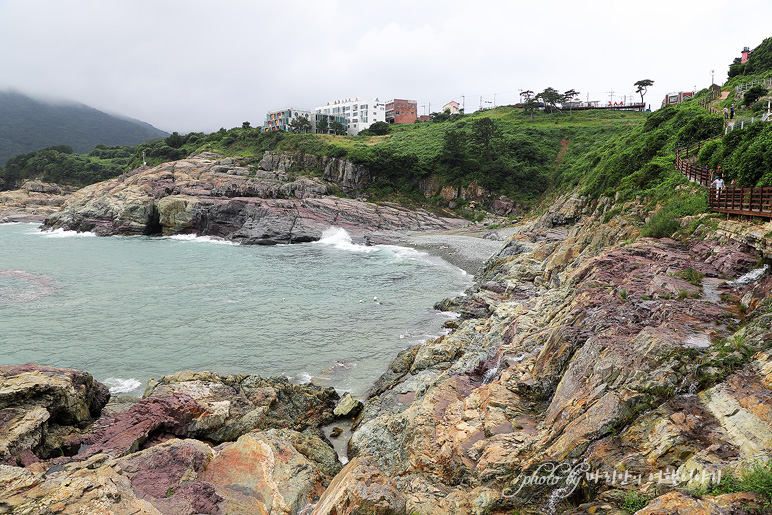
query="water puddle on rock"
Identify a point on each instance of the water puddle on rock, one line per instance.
(698, 341)
(710, 289)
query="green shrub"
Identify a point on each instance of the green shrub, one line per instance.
(635, 501)
(756, 478)
(753, 94)
(691, 275)
(662, 225)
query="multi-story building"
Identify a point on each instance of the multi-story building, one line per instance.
(282, 120)
(359, 113)
(401, 111)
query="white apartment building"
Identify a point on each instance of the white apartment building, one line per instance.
(359, 113)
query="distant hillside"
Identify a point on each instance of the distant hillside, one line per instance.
(28, 125)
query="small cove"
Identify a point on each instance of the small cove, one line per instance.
(126, 309)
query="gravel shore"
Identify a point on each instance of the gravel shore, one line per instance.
(465, 248)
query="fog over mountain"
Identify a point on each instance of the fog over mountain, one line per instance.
(28, 124)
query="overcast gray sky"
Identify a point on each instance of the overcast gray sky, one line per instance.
(198, 65)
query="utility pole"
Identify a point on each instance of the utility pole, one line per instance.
(463, 103)
(494, 100)
(611, 96)
(480, 102)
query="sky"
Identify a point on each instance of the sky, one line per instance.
(199, 65)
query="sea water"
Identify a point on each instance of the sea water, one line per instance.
(127, 309)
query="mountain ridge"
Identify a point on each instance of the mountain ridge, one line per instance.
(28, 125)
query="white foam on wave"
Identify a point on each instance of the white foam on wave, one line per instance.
(305, 377)
(120, 385)
(411, 254)
(62, 233)
(339, 238)
(200, 239)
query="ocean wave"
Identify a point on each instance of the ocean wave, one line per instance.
(304, 377)
(200, 239)
(62, 233)
(120, 385)
(339, 238)
(411, 254)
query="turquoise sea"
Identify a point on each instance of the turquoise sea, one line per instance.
(126, 309)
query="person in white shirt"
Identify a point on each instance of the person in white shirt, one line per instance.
(718, 183)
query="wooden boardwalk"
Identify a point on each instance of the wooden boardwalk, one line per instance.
(730, 200)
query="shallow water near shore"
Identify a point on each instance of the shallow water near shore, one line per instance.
(126, 309)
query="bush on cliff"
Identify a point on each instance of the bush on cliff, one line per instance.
(745, 155)
(57, 164)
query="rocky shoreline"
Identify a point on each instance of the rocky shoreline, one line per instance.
(590, 371)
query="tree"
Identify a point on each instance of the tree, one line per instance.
(529, 102)
(643, 86)
(337, 128)
(568, 97)
(323, 126)
(246, 125)
(453, 155)
(175, 140)
(379, 128)
(300, 124)
(485, 135)
(551, 98)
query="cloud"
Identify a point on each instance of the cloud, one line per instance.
(194, 65)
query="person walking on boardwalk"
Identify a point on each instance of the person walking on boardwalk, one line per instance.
(718, 183)
(731, 112)
(726, 113)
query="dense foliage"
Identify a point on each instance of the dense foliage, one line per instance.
(27, 125)
(759, 61)
(744, 155)
(502, 150)
(60, 165)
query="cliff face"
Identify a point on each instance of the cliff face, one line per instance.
(266, 204)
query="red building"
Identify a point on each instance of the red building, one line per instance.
(746, 52)
(401, 111)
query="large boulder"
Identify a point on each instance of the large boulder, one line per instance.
(229, 406)
(34, 399)
(264, 472)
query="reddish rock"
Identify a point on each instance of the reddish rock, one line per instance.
(361, 489)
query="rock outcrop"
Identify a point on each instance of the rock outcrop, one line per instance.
(37, 403)
(585, 355)
(263, 204)
(251, 445)
(33, 202)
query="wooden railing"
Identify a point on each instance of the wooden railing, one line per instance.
(742, 201)
(732, 200)
(700, 174)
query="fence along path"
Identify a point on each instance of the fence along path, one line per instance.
(731, 200)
